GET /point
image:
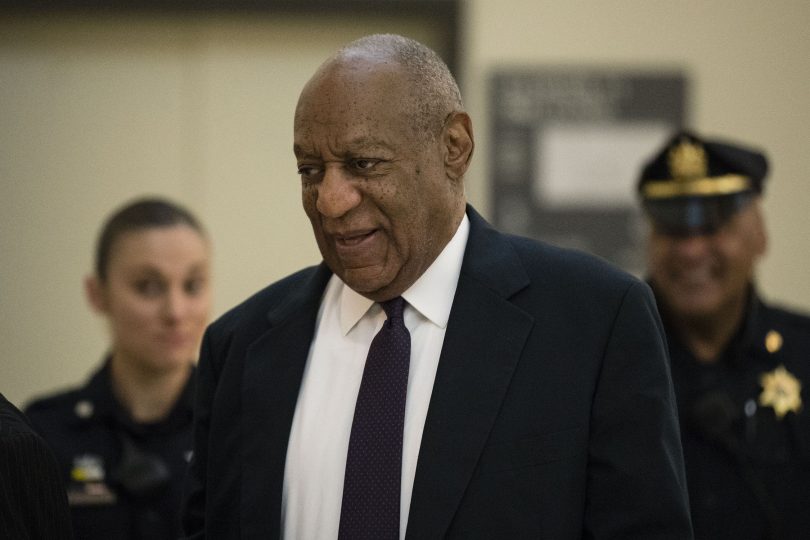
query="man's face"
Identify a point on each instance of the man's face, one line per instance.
(702, 276)
(377, 193)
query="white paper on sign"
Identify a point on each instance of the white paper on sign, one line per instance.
(593, 165)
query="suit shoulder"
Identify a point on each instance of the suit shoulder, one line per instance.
(256, 307)
(12, 421)
(566, 267)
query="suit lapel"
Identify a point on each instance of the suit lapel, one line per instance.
(485, 336)
(274, 366)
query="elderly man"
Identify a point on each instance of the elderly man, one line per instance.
(738, 364)
(433, 377)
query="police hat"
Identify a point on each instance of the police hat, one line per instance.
(693, 186)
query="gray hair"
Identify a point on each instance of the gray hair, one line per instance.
(435, 91)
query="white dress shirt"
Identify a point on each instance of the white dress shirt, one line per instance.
(319, 438)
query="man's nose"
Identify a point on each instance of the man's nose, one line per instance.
(337, 192)
(693, 245)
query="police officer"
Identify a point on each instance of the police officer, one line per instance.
(123, 439)
(740, 366)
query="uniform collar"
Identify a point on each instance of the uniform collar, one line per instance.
(749, 336)
(97, 403)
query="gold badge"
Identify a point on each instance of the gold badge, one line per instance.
(87, 468)
(687, 160)
(773, 341)
(780, 390)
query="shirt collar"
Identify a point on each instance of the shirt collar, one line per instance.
(431, 295)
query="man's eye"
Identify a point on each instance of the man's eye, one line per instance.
(308, 170)
(364, 164)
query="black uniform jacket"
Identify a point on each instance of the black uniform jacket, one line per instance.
(124, 479)
(746, 429)
(552, 413)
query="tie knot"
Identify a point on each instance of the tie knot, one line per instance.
(394, 308)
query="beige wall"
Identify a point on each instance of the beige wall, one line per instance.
(749, 73)
(95, 111)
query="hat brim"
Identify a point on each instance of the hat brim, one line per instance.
(695, 215)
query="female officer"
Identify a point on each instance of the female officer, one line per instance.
(124, 438)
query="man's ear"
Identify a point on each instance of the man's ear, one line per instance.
(762, 231)
(458, 141)
(755, 231)
(94, 291)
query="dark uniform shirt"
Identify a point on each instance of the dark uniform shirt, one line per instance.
(124, 478)
(745, 427)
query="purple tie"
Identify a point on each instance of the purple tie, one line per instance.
(371, 487)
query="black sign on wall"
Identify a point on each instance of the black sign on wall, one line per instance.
(567, 146)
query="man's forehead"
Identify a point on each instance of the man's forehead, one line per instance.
(313, 141)
(351, 78)
(364, 119)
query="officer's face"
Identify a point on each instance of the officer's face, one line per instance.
(707, 275)
(383, 199)
(156, 296)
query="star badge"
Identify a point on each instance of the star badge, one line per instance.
(781, 391)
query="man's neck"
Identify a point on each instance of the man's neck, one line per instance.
(708, 336)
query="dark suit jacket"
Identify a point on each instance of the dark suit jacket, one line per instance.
(552, 413)
(33, 501)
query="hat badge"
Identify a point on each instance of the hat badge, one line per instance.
(687, 160)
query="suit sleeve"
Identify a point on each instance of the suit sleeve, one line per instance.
(33, 501)
(636, 479)
(194, 499)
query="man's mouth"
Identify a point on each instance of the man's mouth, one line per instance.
(353, 239)
(696, 277)
(357, 247)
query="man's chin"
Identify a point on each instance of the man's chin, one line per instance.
(365, 280)
(697, 309)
